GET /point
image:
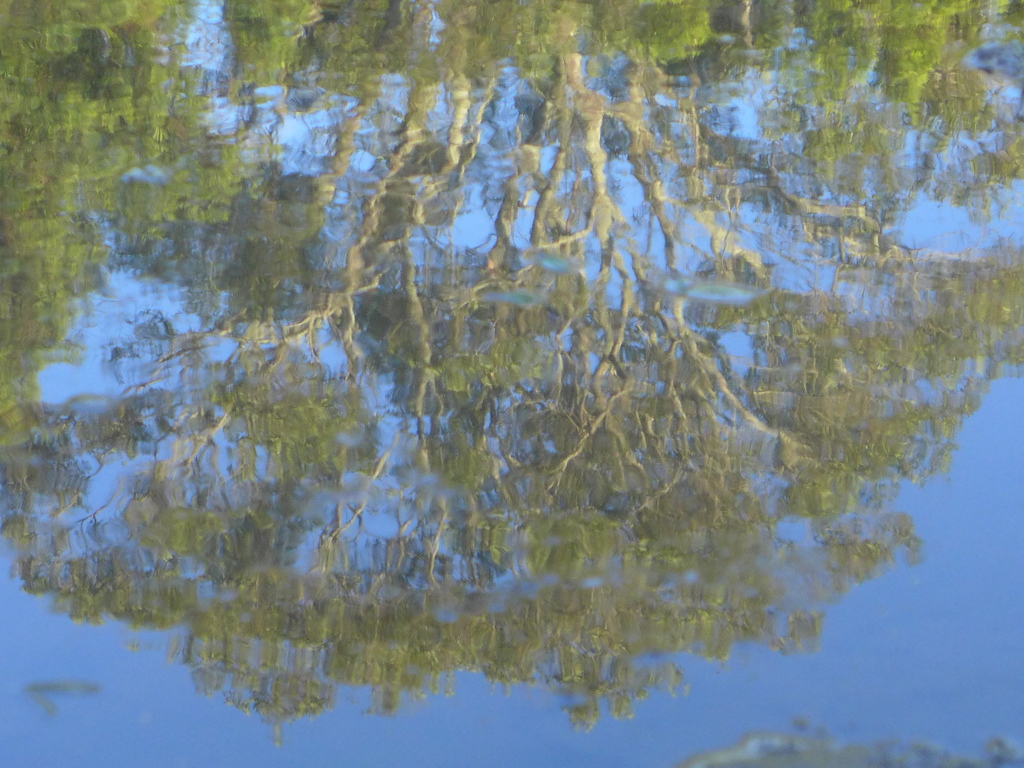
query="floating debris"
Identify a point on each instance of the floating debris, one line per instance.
(779, 750)
(677, 285)
(149, 174)
(735, 294)
(711, 291)
(520, 298)
(89, 404)
(557, 264)
(42, 692)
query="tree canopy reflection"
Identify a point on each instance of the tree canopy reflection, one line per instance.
(371, 432)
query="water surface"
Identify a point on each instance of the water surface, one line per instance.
(521, 383)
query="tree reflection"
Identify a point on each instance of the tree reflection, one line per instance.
(343, 454)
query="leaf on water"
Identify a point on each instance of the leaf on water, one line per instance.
(45, 702)
(42, 691)
(150, 174)
(89, 404)
(63, 686)
(520, 298)
(677, 285)
(557, 264)
(721, 292)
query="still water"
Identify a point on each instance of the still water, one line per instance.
(520, 383)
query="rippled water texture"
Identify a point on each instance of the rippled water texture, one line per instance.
(512, 382)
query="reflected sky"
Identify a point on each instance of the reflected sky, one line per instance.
(927, 652)
(365, 354)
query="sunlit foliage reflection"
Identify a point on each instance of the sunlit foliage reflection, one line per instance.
(420, 381)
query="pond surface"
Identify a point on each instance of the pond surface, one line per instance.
(519, 383)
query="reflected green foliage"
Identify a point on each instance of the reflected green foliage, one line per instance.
(406, 388)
